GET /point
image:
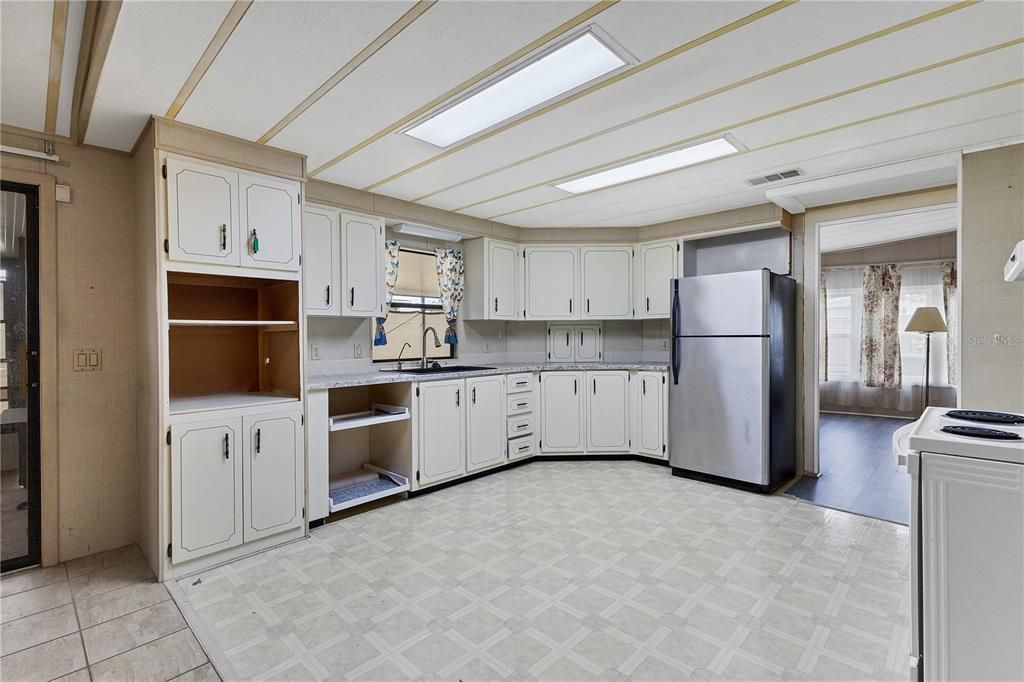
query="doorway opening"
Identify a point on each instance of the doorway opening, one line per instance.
(20, 508)
(887, 328)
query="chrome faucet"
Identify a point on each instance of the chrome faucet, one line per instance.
(404, 346)
(437, 344)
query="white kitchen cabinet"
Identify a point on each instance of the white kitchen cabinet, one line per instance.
(607, 411)
(588, 343)
(561, 343)
(206, 487)
(606, 281)
(269, 219)
(273, 478)
(551, 278)
(485, 422)
(649, 413)
(562, 412)
(494, 280)
(321, 272)
(442, 429)
(575, 343)
(362, 265)
(202, 213)
(657, 264)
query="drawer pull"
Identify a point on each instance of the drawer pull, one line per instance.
(523, 404)
(520, 427)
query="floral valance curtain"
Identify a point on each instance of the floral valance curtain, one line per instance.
(949, 303)
(380, 338)
(450, 270)
(880, 364)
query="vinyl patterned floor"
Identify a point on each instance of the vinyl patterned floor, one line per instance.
(858, 471)
(570, 571)
(101, 618)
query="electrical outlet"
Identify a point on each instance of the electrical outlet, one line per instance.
(664, 344)
(357, 350)
(87, 360)
(314, 351)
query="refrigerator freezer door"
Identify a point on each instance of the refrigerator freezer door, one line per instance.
(731, 304)
(718, 410)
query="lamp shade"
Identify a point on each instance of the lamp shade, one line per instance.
(926, 319)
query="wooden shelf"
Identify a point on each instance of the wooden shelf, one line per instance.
(226, 401)
(377, 414)
(232, 323)
(359, 487)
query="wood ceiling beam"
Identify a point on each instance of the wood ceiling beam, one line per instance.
(58, 33)
(97, 32)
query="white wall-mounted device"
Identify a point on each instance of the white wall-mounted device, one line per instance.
(1013, 271)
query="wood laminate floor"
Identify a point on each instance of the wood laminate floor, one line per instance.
(858, 471)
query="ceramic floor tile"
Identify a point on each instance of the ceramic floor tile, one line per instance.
(31, 579)
(102, 560)
(34, 601)
(129, 631)
(204, 673)
(109, 605)
(45, 661)
(162, 659)
(107, 579)
(38, 628)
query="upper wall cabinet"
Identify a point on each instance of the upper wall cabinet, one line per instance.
(656, 266)
(606, 274)
(494, 280)
(321, 242)
(362, 265)
(269, 216)
(217, 215)
(551, 277)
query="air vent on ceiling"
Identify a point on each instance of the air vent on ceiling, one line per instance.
(775, 177)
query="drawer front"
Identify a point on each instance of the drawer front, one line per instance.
(520, 426)
(521, 447)
(520, 403)
(518, 383)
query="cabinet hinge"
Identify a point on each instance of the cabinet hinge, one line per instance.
(662, 379)
(302, 419)
(298, 199)
(663, 447)
(163, 172)
(630, 443)
(417, 395)
(169, 551)
(549, 355)
(300, 259)
(168, 436)
(540, 445)
(303, 512)
(417, 476)
(167, 246)
(677, 246)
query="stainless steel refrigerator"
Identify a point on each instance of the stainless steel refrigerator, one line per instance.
(732, 384)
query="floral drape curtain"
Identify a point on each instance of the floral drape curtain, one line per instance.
(880, 339)
(391, 248)
(822, 327)
(949, 303)
(450, 270)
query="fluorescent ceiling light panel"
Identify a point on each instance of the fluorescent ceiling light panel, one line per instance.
(566, 68)
(652, 165)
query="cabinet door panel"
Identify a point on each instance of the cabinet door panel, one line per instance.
(562, 412)
(321, 269)
(272, 474)
(588, 344)
(607, 277)
(551, 283)
(362, 258)
(485, 431)
(607, 411)
(657, 268)
(442, 425)
(206, 487)
(650, 414)
(561, 343)
(269, 210)
(503, 281)
(202, 213)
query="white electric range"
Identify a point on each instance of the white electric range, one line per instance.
(967, 545)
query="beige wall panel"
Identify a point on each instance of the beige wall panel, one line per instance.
(932, 247)
(992, 310)
(712, 222)
(97, 460)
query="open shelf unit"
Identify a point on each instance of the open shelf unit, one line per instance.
(377, 414)
(366, 485)
(232, 341)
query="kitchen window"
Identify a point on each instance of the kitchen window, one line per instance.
(416, 305)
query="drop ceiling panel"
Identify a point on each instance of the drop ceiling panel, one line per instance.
(932, 42)
(450, 43)
(25, 29)
(962, 77)
(69, 67)
(958, 124)
(279, 54)
(698, 70)
(153, 50)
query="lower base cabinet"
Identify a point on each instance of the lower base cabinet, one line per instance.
(485, 422)
(650, 402)
(442, 431)
(235, 479)
(562, 410)
(608, 411)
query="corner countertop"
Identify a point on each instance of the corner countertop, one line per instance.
(319, 382)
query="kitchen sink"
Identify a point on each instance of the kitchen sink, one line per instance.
(438, 370)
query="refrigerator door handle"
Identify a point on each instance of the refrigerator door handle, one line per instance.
(675, 359)
(674, 324)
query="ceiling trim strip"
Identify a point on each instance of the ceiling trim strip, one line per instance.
(821, 54)
(341, 74)
(749, 121)
(580, 18)
(220, 38)
(100, 20)
(622, 75)
(58, 31)
(798, 138)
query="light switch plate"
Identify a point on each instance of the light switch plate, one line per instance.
(87, 359)
(357, 350)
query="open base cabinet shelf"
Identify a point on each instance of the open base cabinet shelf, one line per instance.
(377, 414)
(364, 485)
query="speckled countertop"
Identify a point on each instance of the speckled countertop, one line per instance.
(319, 382)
